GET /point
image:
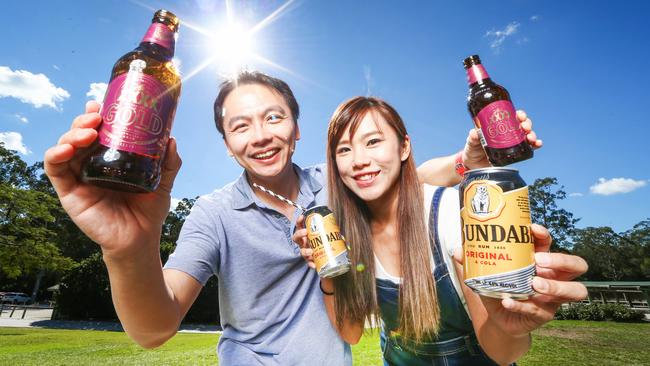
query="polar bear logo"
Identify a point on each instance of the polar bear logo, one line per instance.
(481, 201)
(315, 224)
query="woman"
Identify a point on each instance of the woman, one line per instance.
(402, 236)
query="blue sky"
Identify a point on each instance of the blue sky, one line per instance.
(577, 68)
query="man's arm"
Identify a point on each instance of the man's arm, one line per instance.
(150, 302)
(442, 171)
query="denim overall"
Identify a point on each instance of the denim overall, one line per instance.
(456, 343)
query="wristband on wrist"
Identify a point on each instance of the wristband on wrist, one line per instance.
(459, 165)
(320, 284)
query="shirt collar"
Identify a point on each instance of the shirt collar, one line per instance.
(244, 196)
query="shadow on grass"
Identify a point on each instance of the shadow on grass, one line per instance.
(115, 326)
(79, 325)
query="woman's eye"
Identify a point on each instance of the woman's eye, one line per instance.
(373, 141)
(342, 150)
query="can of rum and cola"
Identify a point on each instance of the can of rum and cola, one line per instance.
(498, 247)
(330, 252)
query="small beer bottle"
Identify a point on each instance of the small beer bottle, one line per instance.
(137, 113)
(495, 117)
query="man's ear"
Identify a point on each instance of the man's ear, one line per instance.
(297, 131)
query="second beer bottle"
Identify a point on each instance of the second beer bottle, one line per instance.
(137, 113)
(490, 106)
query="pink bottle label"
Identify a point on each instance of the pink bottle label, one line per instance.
(476, 73)
(160, 34)
(137, 113)
(499, 125)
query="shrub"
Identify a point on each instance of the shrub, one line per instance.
(84, 292)
(599, 312)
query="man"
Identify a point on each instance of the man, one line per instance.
(271, 307)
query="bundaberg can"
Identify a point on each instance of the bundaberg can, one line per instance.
(330, 252)
(499, 253)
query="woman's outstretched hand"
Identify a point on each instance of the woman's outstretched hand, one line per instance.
(553, 285)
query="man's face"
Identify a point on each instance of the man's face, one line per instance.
(259, 130)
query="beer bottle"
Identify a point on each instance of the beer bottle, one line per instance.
(491, 109)
(137, 113)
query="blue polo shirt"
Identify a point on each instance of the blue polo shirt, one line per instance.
(271, 308)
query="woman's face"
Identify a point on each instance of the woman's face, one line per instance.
(370, 163)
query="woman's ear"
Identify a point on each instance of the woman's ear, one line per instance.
(406, 148)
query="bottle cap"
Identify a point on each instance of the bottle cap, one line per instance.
(167, 16)
(471, 61)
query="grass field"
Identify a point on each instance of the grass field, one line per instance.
(559, 342)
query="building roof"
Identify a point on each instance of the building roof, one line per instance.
(608, 284)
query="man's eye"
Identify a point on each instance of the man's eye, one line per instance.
(274, 117)
(239, 127)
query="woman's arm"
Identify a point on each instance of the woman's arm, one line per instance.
(503, 348)
(350, 331)
(442, 171)
(503, 326)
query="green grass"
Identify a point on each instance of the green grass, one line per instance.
(575, 342)
(559, 342)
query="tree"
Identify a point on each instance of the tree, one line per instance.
(639, 238)
(544, 211)
(26, 243)
(85, 293)
(612, 256)
(13, 170)
(26, 217)
(175, 220)
(600, 247)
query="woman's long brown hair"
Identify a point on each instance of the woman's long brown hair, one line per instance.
(355, 294)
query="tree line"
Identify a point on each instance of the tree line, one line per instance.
(40, 246)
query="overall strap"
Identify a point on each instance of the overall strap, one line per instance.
(434, 239)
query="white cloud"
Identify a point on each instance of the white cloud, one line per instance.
(367, 74)
(523, 40)
(56, 68)
(14, 141)
(174, 203)
(35, 89)
(499, 36)
(607, 187)
(534, 18)
(97, 91)
(21, 118)
(576, 194)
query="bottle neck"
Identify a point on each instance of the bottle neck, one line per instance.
(476, 74)
(159, 34)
